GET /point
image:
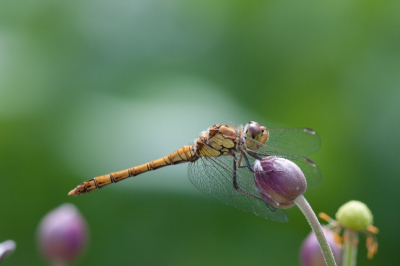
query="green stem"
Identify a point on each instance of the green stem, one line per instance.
(303, 205)
(350, 248)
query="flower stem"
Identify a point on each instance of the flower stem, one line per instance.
(303, 205)
(350, 247)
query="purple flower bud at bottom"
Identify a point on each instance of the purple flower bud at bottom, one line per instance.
(62, 234)
(311, 254)
(6, 248)
(279, 181)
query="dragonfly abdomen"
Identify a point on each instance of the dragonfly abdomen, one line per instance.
(182, 155)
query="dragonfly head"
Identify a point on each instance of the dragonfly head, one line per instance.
(256, 135)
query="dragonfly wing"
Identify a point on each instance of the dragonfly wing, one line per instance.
(309, 168)
(302, 141)
(214, 176)
(293, 144)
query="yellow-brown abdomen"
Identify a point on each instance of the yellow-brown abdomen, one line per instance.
(182, 155)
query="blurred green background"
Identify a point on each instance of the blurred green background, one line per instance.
(92, 87)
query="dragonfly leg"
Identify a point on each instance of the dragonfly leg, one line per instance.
(248, 165)
(240, 161)
(235, 184)
(256, 155)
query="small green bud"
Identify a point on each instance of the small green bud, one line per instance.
(354, 215)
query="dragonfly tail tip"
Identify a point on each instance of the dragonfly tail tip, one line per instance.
(73, 192)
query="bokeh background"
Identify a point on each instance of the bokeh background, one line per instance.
(91, 87)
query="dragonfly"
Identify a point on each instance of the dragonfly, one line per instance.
(221, 163)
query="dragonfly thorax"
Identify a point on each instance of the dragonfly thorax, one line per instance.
(216, 141)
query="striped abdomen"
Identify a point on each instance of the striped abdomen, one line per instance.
(182, 155)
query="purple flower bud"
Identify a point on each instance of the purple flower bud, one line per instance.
(279, 181)
(311, 254)
(62, 234)
(6, 248)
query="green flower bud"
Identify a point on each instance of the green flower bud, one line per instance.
(354, 215)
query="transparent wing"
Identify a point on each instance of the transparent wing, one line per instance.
(214, 176)
(292, 144)
(302, 141)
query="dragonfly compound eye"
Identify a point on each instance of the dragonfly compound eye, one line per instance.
(254, 130)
